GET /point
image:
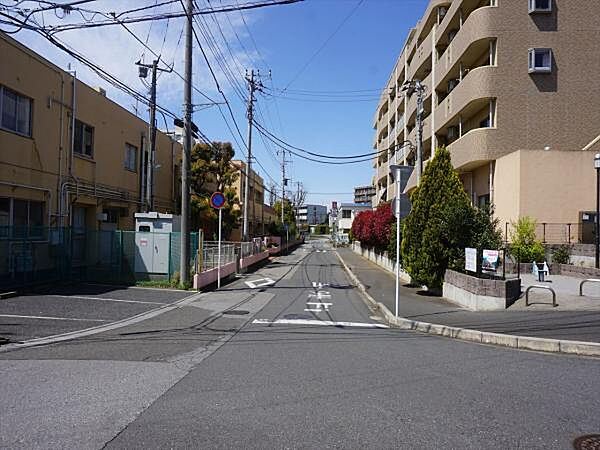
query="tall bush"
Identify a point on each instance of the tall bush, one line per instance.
(372, 228)
(525, 246)
(439, 225)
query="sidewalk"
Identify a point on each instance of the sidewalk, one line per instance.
(536, 321)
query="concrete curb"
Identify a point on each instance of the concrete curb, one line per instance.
(579, 348)
(6, 295)
(102, 328)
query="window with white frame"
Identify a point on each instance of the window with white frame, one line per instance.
(131, 157)
(346, 214)
(536, 6)
(84, 139)
(540, 60)
(15, 112)
(26, 217)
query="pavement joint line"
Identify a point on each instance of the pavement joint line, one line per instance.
(103, 328)
(52, 318)
(579, 348)
(104, 299)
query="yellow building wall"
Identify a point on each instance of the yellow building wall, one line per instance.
(34, 161)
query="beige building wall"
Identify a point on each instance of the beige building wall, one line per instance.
(482, 102)
(34, 167)
(259, 214)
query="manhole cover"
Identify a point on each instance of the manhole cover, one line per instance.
(587, 442)
(236, 312)
(297, 317)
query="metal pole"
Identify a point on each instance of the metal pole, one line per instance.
(419, 124)
(219, 257)
(597, 218)
(249, 153)
(397, 239)
(152, 137)
(187, 147)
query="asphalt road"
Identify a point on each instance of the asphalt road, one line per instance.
(293, 364)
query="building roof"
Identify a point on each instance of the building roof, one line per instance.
(355, 205)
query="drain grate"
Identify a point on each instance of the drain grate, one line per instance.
(587, 442)
(236, 312)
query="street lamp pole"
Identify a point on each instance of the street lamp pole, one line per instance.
(597, 167)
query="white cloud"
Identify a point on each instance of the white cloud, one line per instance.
(116, 51)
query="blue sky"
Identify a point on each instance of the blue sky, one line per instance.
(282, 39)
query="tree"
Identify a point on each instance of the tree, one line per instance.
(525, 246)
(288, 216)
(211, 170)
(439, 225)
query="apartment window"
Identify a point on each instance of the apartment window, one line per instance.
(346, 214)
(483, 201)
(540, 60)
(15, 112)
(536, 6)
(130, 157)
(84, 139)
(485, 123)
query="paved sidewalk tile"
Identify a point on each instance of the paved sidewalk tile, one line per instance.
(417, 305)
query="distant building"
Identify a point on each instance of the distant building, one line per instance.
(364, 194)
(346, 214)
(311, 215)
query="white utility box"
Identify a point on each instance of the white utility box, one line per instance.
(153, 241)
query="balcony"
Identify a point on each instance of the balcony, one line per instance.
(476, 147)
(421, 57)
(481, 83)
(480, 25)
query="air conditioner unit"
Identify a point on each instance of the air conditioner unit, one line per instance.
(102, 217)
(452, 133)
(452, 84)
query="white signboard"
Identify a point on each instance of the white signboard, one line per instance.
(489, 262)
(471, 259)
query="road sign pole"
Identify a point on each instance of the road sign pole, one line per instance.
(219, 257)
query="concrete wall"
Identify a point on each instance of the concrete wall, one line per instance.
(480, 294)
(381, 259)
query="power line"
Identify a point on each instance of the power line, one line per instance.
(314, 55)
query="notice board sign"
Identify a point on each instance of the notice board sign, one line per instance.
(471, 259)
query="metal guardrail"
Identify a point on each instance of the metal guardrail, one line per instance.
(537, 286)
(587, 280)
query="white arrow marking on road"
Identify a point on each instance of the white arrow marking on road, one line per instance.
(259, 283)
(318, 322)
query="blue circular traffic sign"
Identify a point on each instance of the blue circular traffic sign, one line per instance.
(217, 200)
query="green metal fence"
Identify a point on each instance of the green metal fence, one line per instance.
(31, 255)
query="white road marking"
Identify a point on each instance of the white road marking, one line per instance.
(318, 322)
(104, 299)
(321, 295)
(52, 318)
(259, 283)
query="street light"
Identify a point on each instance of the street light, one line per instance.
(597, 167)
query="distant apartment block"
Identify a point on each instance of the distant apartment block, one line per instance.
(311, 215)
(511, 88)
(346, 214)
(364, 194)
(73, 157)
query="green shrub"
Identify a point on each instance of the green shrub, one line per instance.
(525, 246)
(562, 254)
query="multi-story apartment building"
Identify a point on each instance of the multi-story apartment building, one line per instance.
(364, 194)
(92, 176)
(511, 89)
(311, 215)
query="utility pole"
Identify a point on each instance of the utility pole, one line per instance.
(254, 84)
(419, 124)
(283, 184)
(187, 149)
(143, 73)
(416, 86)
